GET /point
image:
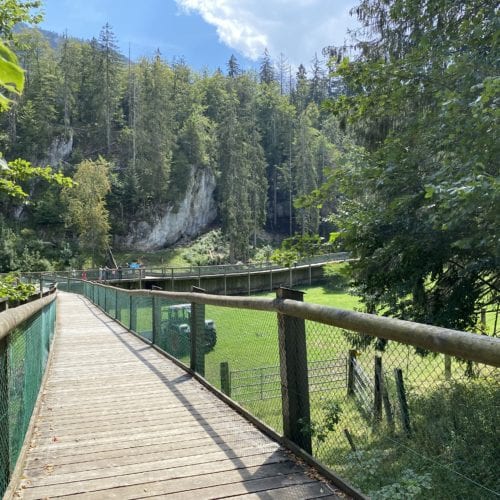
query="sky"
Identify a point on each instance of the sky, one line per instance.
(206, 32)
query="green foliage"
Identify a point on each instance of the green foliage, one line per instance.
(13, 12)
(12, 288)
(337, 276)
(332, 413)
(299, 247)
(447, 422)
(211, 248)
(419, 210)
(87, 212)
(11, 76)
(16, 173)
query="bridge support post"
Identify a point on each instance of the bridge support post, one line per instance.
(294, 374)
(197, 362)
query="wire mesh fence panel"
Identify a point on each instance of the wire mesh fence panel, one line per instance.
(23, 357)
(141, 316)
(4, 417)
(404, 422)
(123, 308)
(246, 342)
(110, 301)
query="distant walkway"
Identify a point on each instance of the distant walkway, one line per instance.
(119, 420)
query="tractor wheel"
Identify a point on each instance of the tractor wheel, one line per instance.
(210, 340)
(178, 344)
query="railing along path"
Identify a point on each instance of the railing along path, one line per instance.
(119, 420)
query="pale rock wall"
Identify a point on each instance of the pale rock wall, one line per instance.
(59, 150)
(196, 211)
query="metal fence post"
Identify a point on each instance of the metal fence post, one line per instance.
(118, 314)
(377, 388)
(156, 319)
(133, 315)
(197, 361)
(294, 374)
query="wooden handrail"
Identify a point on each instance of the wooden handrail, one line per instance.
(12, 318)
(469, 346)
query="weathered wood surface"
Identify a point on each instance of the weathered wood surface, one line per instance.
(118, 420)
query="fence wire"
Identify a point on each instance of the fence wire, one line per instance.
(245, 361)
(23, 357)
(405, 423)
(391, 419)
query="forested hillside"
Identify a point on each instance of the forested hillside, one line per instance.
(261, 137)
(390, 152)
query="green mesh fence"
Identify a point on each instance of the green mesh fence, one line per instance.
(23, 357)
(393, 420)
(398, 422)
(244, 363)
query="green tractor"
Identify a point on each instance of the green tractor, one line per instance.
(176, 331)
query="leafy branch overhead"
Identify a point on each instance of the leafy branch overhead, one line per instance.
(13, 174)
(11, 76)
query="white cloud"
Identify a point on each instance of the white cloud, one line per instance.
(297, 28)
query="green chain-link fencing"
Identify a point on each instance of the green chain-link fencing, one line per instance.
(401, 422)
(23, 357)
(394, 420)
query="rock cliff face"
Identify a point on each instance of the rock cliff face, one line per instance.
(196, 211)
(59, 150)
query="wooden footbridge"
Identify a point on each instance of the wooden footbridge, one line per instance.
(119, 420)
(107, 405)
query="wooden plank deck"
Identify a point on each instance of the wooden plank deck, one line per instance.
(119, 420)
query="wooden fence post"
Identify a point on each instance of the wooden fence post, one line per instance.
(387, 405)
(197, 361)
(403, 403)
(294, 374)
(377, 390)
(225, 378)
(351, 360)
(483, 319)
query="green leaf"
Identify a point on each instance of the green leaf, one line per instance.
(11, 75)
